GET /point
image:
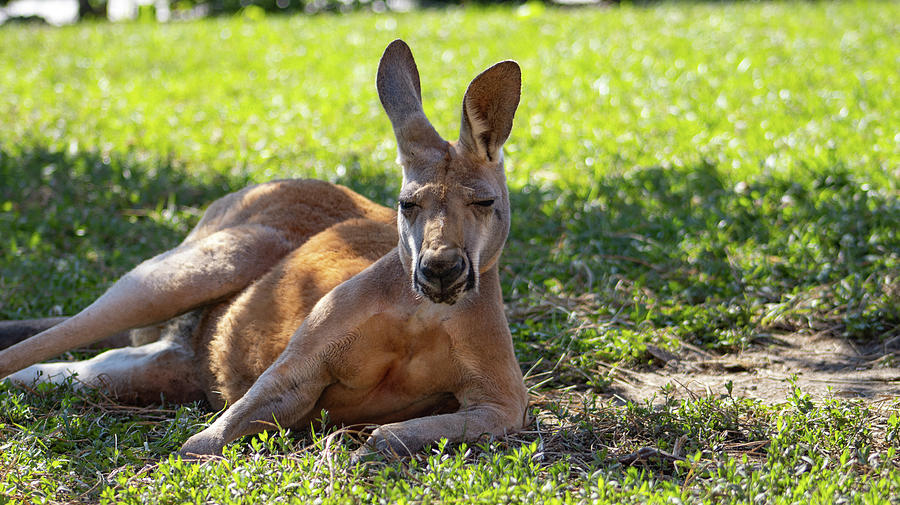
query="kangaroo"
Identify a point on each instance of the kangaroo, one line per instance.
(295, 296)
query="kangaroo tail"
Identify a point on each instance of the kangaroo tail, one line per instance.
(13, 332)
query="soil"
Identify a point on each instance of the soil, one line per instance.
(822, 366)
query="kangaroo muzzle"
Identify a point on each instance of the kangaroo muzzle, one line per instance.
(442, 275)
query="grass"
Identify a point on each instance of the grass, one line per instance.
(682, 174)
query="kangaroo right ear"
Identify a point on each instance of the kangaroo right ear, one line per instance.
(401, 97)
(488, 108)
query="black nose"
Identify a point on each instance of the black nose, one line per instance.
(442, 271)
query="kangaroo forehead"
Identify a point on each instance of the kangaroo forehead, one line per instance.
(464, 188)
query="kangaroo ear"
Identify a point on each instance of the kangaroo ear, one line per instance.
(488, 109)
(401, 97)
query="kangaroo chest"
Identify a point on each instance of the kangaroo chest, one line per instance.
(393, 369)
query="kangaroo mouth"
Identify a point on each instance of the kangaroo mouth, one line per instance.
(450, 293)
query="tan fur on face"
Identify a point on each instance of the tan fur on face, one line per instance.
(303, 296)
(447, 215)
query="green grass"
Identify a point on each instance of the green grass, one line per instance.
(703, 174)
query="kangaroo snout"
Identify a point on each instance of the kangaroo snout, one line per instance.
(441, 273)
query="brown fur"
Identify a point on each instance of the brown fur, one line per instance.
(256, 327)
(295, 296)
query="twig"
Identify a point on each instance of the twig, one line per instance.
(645, 453)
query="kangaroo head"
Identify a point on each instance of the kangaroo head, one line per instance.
(454, 206)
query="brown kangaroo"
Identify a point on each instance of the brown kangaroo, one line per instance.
(295, 296)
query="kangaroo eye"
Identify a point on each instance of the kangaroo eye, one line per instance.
(407, 205)
(484, 203)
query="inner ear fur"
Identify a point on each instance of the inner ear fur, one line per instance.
(401, 96)
(488, 108)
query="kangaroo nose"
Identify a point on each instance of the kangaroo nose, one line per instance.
(442, 269)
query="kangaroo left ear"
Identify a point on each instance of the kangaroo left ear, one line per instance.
(488, 108)
(401, 96)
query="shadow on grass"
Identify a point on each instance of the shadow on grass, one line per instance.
(72, 223)
(689, 224)
(647, 255)
(659, 256)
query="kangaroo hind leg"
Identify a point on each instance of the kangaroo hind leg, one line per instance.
(191, 275)
(143, 374)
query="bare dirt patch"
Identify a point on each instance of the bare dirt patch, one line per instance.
(822, 366)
